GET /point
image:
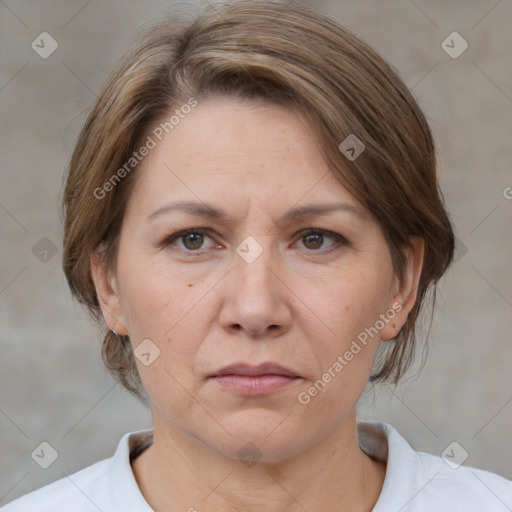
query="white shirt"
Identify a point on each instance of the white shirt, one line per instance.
(414, 482)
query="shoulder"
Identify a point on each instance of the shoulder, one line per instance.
(421, 482)
(461, 487)
(78, 492)
(108, 485)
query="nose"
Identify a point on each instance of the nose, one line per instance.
(257, 298)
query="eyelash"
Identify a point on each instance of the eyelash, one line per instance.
(339, 239)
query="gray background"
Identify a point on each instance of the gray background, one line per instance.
(54, 387)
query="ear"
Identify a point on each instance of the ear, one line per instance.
(108, 294)
(404, 297)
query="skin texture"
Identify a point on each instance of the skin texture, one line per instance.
(301, 303)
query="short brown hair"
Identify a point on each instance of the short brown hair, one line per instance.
(289, 55)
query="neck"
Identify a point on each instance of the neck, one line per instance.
(334, 474)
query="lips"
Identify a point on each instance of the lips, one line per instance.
(250, 380)
(249, 370)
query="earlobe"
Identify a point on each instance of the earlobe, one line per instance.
(403, 301)
(108, 294)
(396, 318)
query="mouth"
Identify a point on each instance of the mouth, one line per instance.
(251, 380)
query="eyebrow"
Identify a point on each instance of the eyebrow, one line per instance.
(212, 212)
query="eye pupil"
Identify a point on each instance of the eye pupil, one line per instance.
(195, 238)
(319, 240)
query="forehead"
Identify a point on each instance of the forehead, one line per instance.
(233, 150)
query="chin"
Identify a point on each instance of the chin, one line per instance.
(262, 434)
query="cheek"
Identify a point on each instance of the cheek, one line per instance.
(350, 302)
(157, 300)
(167, 312)
(345, 348)
(173, 319)
(170, 380)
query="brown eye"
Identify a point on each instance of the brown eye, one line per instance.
(313, 241)
(190, 240)
(193, 240)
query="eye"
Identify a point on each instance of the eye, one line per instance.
(192, 239)
(314, 238)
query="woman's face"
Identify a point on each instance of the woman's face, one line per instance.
(250, 284)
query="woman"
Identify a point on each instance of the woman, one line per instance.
(252, 209)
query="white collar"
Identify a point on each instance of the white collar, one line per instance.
(373, 438)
